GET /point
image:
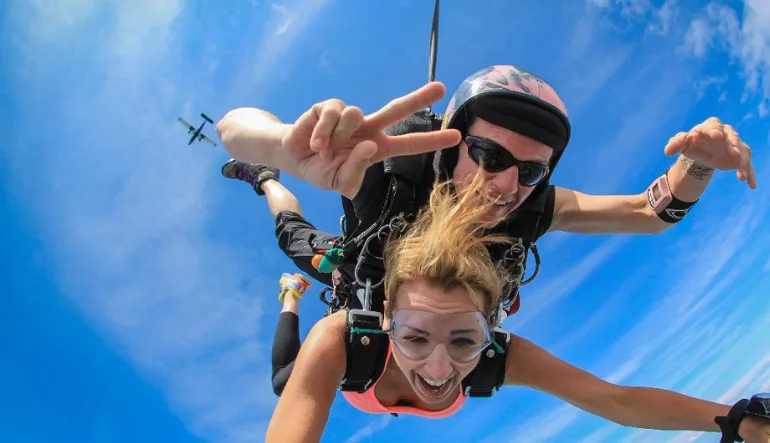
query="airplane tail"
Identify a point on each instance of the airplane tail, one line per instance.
(207, 118)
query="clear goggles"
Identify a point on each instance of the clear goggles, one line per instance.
(417, 333)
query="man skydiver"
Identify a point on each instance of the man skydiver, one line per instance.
(499, 117)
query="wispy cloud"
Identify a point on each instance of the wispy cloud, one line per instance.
(664, 18)
(128, 218)
(658, 20)
(746, 40)
(630, 144)
(559, 287)
(607, 68)
(286, 24)
(370, 429)
(687, 340)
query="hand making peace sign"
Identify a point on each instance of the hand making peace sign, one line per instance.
(334, 144)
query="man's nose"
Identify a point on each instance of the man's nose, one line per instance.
(507, 181)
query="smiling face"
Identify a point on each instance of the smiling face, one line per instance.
(437, 338)
(503, 186)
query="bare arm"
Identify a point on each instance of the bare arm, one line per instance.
(626, 214)
(640, 407)
(303, 409)
(255, 136)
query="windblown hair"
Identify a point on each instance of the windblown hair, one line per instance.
(446, 246)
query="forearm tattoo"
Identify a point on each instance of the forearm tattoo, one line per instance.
(700, 172)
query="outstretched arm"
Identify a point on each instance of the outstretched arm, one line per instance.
(708, 146)
(650, 408)
(303, 409)
(626, 214)
(332, 144)
(254, 136)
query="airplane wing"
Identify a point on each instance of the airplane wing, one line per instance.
(202, 137)
(187, 125)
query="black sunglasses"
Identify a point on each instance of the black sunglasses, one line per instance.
(495, 158)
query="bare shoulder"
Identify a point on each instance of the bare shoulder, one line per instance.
(329, 332)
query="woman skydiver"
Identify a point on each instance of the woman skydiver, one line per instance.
(442, 290)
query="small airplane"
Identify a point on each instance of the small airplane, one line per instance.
(196, 133)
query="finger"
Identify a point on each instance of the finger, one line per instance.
(304, 126)
(351, 173)
(351, 119)
(329, 113)
(744, 160)
(676, 144)
(400, 108)
(417, 143)
(735, 149)
(714, 132)
(712, 126)
(752, 177)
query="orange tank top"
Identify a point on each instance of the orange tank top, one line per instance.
(368, 402)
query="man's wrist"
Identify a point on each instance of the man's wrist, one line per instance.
(694, 169)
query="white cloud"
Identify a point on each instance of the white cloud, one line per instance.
(658, 19)
(722, 97)
(285, 26)
(600, 435)
(664, 18)
(127, 217)
(746, 40)
(699, 37)
(370, 429)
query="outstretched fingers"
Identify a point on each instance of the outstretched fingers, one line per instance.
(417, 143)
(402, 107)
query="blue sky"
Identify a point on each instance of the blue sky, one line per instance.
(139, 287)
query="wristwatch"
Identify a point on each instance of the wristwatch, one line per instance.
(659, 194)
(669, 208)
(758, 406)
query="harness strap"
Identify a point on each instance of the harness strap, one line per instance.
(366, 346)
(489, 373)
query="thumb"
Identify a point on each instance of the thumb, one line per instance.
(351, 173)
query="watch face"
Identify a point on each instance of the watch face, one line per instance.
(759, 405)
(656, 192)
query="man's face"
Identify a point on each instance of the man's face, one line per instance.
(504, 186)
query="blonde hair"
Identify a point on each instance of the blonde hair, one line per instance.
(446, 245)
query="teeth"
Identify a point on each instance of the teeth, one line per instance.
(435, 383)
(497, 201)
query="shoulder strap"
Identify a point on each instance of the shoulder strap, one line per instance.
(489, 374)
(366, 348)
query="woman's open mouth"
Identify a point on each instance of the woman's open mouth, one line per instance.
(434, 388)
